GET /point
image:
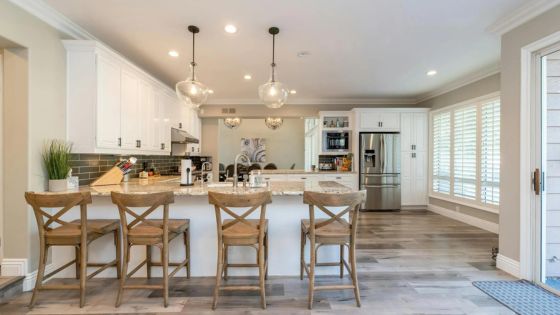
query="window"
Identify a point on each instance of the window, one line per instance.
(465, 153)
(490, 154)
(441, 166)
(464, 164)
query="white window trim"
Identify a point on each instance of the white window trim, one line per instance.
(477, 204)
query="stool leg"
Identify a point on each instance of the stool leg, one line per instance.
(226, 250)
(83, 270)
(77, 255)
(311, 273)
(123, 272)
(187, 238)
(118, 252)
(219, 270)
(302, 255)
(165, 264)
(262, 276)
(40, 272)
(149, 261)
(266, 256)
(341, 261)
(354, 273)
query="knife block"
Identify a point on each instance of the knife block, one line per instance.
(113, 177)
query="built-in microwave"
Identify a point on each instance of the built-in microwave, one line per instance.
(336, 141)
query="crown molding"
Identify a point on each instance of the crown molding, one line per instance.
(49, 15)
(320, 101)
(477, 76)
(521, 15)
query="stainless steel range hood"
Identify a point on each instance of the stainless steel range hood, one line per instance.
(179, 136)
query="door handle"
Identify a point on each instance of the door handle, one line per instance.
(537, 181)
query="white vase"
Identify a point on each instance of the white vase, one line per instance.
(58, 184)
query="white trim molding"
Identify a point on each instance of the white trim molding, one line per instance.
(508, 265)
(18, 267)
(521, 15)
(465, 218)
(321, 101)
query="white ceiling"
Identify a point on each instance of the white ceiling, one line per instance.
(359, 49)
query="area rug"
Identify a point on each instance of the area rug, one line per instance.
(522, 296)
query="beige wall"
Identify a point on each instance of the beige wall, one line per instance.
(512, 42)
(284, 146)
(39, 117)
(481, 87)
(209, 142)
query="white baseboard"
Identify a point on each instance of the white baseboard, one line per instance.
(18, 267)
(508, 265)
(479, 223)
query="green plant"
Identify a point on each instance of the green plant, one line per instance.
(56, 158)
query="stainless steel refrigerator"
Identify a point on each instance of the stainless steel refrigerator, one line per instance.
(380, 170)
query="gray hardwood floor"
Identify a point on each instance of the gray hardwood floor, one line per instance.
(410, 262)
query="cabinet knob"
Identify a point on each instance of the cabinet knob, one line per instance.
(163, 146)
(119, 141)
(180, 125)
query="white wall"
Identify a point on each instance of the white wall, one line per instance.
(284, 146)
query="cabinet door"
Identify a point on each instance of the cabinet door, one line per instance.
(108, 120)
(407, 131)
(420, 131)
(130, 116)
(407, 186)
(420, 168)
(390, 121)
(164, 120)
(149, 124)
(369, 121)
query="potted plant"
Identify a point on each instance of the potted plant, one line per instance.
(56, 159)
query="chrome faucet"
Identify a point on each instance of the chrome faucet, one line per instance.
(202, 172)
(245, 160)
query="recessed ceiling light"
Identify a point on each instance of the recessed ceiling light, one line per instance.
(293, 91)
(247, 77)
(230, 28)
(210, 91)
(431, 73)
(173, 53)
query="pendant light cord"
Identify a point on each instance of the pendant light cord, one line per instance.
(193, 64)
(273, 63)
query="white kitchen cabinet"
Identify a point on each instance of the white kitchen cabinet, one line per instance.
(414, 158)
(114, 107)
(378, 120)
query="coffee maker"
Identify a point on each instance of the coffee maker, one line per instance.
(186, 172)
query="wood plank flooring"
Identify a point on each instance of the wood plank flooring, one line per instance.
(410, 262)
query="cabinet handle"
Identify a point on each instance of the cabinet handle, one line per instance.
(137, 143)
(180, 125)
(119, 141)
(412, 147)
(381, 124)
(163, 146)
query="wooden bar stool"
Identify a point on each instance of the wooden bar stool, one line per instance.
(150, 232)
(332, 231)
(240, 231)
(78, 233)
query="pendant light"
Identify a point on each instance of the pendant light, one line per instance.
(232, 122)
(191, 91)
(273, 94)
(273, 122)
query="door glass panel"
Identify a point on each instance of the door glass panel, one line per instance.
(550, 202)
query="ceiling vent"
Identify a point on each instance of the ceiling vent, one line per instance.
(228, 110)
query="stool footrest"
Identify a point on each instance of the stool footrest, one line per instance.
(240, 288)
(333, 287)
(60, 287)
(143, 286)
(240, 265)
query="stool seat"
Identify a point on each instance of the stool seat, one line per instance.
(240, 231)
(334, 232)
(73, 229)
(148, 230)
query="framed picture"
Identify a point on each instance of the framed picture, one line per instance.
(254, 148)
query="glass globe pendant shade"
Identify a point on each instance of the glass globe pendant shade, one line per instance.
(191, 91)
(273, 94)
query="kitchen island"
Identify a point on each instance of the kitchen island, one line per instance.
(284, 215)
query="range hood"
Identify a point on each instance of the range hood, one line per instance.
(179, 136)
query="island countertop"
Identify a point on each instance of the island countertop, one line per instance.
(171, 183)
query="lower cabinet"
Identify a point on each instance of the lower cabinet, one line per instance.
(350, 180)
(414, 178)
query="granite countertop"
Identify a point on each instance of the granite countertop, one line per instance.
(171, 183)
(289, 171)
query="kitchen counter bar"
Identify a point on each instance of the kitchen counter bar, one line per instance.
(284, 215)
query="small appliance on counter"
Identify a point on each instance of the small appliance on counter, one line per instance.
(186, 172)
(341, 163)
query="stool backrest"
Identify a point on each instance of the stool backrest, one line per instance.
(64, 201)
(254, 201)
(150, 202)
(326, 201)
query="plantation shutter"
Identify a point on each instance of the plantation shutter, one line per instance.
(490, 153)
(441, 167)
(464, 166)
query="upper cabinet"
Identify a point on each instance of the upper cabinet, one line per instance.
(377, 120)
(114, 107)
